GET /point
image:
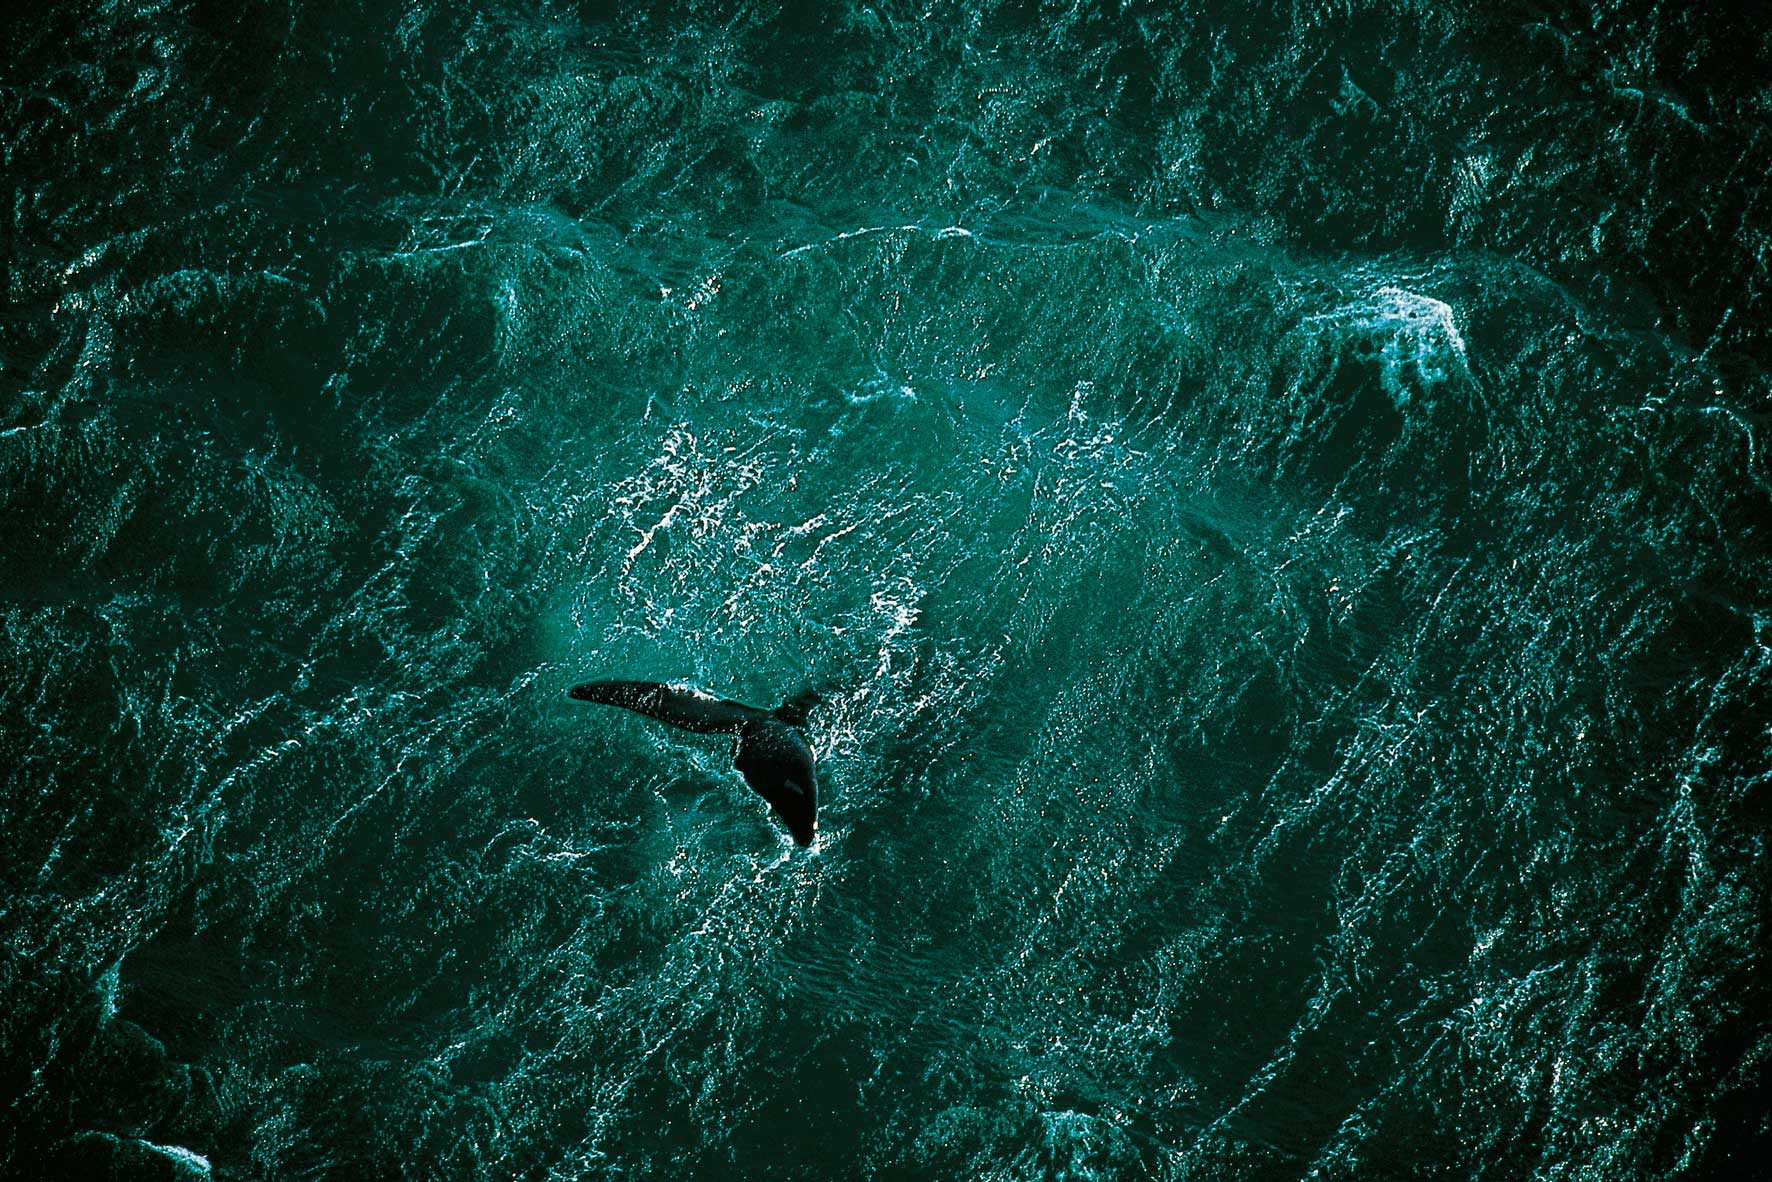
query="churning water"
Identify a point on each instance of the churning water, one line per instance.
(1275, 499)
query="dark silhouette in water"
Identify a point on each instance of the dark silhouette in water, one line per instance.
(772, 751)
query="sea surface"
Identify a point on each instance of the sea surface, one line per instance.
(1274, 499)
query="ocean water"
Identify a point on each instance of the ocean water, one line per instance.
(1274, 499)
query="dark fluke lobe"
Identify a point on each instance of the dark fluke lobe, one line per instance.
(772, 753)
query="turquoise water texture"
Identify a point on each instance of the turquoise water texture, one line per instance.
(1274, 499)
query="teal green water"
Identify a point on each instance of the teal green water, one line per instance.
(1275, 501)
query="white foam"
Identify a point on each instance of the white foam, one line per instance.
(107, 989)
(1414, 338)
(877, 387)
(188, 1158)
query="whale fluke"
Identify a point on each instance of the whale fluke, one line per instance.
(772, 753)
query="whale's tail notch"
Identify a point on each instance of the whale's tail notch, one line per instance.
(795, 709)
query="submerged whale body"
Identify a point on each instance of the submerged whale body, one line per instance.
(772, 753)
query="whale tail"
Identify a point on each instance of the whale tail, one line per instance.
(772, 753)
